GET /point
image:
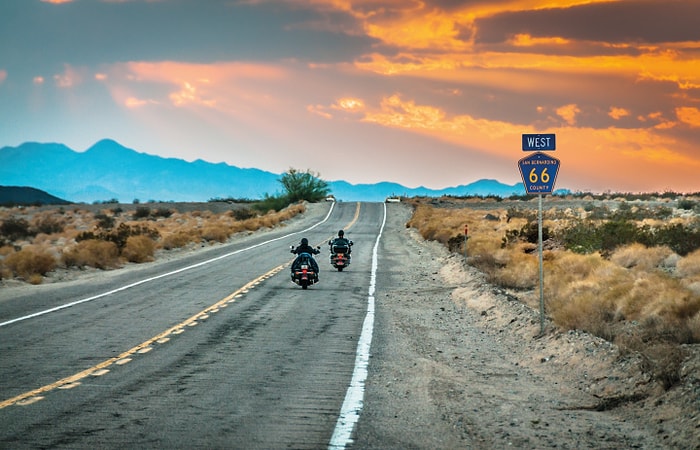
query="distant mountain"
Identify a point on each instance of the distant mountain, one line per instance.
(19, 195)
(108, 171)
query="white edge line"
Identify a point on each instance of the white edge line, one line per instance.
(352, 405)
(147, 280)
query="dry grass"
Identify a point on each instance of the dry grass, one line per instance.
(139, 249)
(643, 299)
(31, 264)
(129, 234)
(92, 253)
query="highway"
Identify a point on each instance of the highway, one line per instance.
(218, 349)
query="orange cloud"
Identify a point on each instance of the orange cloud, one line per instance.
(568, 113)
(349, 104)
(207, 85)
(618, 113)
(319, 110)
(586, 153)
(525, 40)
(3, 75)
(689, 116)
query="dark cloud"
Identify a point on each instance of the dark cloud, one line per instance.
(630, 21)
(34, 34)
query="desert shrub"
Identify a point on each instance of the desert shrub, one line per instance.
(523, 213)
(142, 212)
(519, 271)
(689, 266)
(138, 249)
(93, 253)
(104, 221)
(640, 256)
(271, 203)
(14, 229)
(615, 233)
(528, 233)
(680, 238)
(216, 232)
(48, 223)
(29, 263)
(163, 212)
(119, 235)
(581, 236)
(243, 213)
(686, 204)
(179, 239)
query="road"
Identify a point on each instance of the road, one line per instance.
(214, 350)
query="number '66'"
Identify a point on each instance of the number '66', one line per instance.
(543, 177)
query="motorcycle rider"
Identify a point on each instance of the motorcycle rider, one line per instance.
(341, 241)
(304, 247)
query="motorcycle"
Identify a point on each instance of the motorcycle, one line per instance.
(303, 268)
(340, 255)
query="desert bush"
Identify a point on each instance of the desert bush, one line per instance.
(519, 270)
(138, 249)
(14, 229)
(689, 267)
(142, 212)
(271, 203)
(528, 233)
(30, 263)
(119, 235)
(48, 223)
(686, 204)
(180, 238)
(615, 233)
(640, 256)
(243, 213)
(93, 253)
(163, 212)
(581, 292)
(104, 221)
(581, 236)
(680, 238)
(216, 232)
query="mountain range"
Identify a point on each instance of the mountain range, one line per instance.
(108, 171)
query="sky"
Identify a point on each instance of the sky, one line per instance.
(433, 93)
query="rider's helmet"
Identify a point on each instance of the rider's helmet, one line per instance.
(304, 241)
(341, 233)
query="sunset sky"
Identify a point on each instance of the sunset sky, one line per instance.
(432, 93)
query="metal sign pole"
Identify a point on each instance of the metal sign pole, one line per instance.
(466, 232)
(539, 235)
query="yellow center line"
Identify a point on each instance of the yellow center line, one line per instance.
(354, 219)
(172, 330)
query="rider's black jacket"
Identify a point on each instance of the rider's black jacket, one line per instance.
(306, 249)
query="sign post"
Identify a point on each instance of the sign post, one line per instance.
(466, 236)
(539, 172)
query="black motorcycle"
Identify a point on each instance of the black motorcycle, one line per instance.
(304, 268)
(340, 254)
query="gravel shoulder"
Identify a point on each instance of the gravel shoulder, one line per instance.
(457, 363)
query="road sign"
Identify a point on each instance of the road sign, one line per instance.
(539, 172)
(539, 142)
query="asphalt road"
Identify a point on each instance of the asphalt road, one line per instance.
(215, 350)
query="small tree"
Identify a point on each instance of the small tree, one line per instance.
(303, 186)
